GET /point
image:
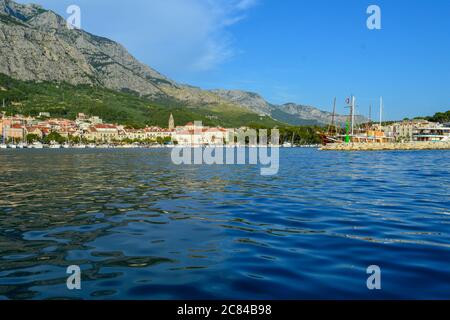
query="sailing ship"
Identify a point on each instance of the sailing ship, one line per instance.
(352, 133)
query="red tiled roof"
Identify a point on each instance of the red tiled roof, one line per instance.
(32, 128)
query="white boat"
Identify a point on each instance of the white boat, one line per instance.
(66, 146)
(12, 146)
(3, 146)
(80, 146)
(37, 145)
(21, 145)
(55, 146)
(92, 146)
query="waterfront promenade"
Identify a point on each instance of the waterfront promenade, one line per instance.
(387, 146)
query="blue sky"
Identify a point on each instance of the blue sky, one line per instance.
(299, 51)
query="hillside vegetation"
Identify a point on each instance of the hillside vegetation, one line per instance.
(441, 117)
(66, 100)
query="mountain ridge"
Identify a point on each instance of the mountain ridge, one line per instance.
(38, 46)
(292, 113)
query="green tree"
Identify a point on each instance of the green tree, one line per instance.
(74, 139)
(54, 136)
(160, 140)
(30, 138)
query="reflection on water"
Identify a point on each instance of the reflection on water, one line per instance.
(142, 228)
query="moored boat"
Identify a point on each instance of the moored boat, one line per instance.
(37, 145)
(352, 133)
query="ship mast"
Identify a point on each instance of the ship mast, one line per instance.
(333, 121)
(352, 114)
(381, 111)
(332, 127)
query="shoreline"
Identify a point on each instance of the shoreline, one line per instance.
(416, 146)
(131, 146)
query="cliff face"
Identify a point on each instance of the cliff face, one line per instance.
(36, 44)
(32, 53)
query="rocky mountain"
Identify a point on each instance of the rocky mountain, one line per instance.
(290, 113)
(36, 45)
(250, 100)
(308, 113)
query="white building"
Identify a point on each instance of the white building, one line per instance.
(201, 136)
(404, 131)
(102, 133)
(432, 134)
(154, 133)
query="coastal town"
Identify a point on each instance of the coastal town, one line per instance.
(91, 132)
(43, 131)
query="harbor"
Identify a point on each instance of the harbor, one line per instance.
(416, 134)
(444, 145)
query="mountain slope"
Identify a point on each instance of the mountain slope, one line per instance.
(310, 114)
(290, 113)
(66, 100)
(36, 45)
(250, 100)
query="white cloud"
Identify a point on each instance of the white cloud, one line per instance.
(192, 35)
(245, 4)
(218, 43)
(176, 37)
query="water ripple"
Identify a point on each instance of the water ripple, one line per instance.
(142, 228)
